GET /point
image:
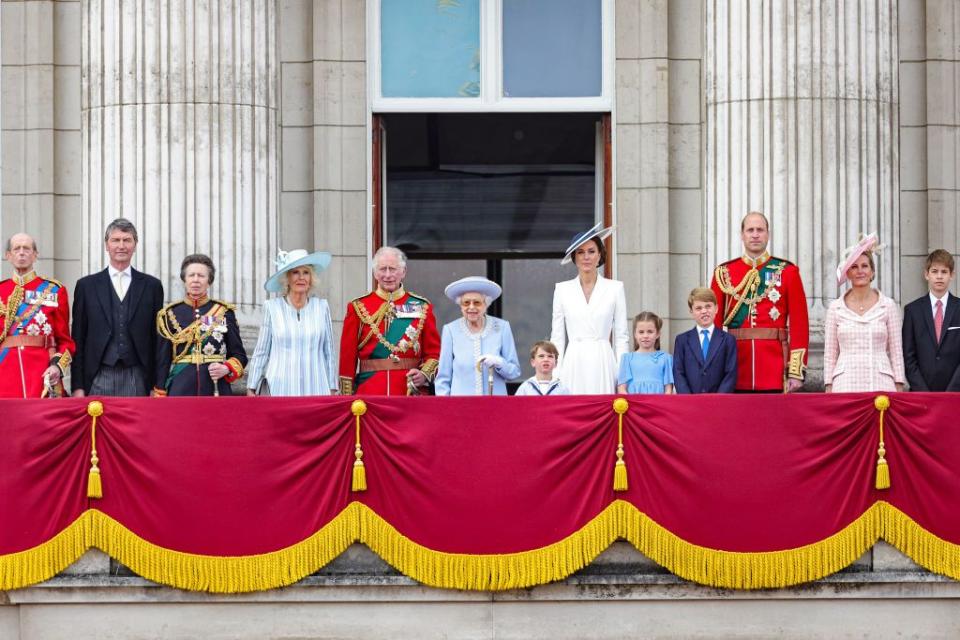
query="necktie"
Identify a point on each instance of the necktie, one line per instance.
(938, 319)
(705, 345)
(120, 285)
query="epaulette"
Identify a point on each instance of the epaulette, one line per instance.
(418, 296)
(226, 305)
(168, 307)
(785, 262)
(53, 280)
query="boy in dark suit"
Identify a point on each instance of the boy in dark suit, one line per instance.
(705, 357)
(931, 330)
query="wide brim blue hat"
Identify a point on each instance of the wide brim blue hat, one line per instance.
(287, 260)
(473, 284)
(597, 231)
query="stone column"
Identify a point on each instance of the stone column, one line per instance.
(179, 125)
(802, 110)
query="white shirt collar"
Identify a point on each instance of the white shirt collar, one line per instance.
(113, 272)
(700, 331)
(933, 301)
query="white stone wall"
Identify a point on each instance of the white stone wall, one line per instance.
(40, 85)
(929, 136)
(658, 140)
(802, 121)
(179, 115)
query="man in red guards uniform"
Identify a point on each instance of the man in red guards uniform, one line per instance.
(762, 304)
(390, 345)
(36, 347)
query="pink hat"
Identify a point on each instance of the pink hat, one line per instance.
(850, 254)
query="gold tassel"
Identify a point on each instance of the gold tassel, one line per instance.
(620, 405)
(358, 408)
(94, 484)
(882, 403)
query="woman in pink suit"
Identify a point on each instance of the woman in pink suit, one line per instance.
(862, 334)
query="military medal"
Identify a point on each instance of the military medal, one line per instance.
(774, 313)
(773, 295)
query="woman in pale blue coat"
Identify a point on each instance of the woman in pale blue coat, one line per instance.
(294, 353)
(476, 345)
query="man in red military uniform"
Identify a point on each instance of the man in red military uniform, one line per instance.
(390, 345)
(762, 304)
(36, 348)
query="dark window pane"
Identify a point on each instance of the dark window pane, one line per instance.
(489, 184)
(552, 48)
(528, 302)
(429, 278)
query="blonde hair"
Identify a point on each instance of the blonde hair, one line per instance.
(285, 283)
(701, 294)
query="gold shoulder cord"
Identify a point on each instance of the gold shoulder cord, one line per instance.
(11, 309)
(179, 335)
(743, 293)
(374, 320)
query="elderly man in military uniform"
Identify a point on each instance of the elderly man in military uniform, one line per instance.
(762, 304)
(390, 344)
(36, 347)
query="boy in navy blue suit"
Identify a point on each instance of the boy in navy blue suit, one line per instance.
(705, 357)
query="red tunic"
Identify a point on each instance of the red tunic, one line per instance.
(767, 296)
(35, 313)
(382, 342)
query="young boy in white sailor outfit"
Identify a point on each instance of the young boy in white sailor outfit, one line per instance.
(543, 359)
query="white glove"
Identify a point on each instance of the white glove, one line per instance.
(490, 360)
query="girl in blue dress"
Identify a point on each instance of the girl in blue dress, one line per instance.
(646, 369)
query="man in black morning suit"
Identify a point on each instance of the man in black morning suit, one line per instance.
(114, 322)
(931, 330)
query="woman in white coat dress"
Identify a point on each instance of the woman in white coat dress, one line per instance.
(587, 312)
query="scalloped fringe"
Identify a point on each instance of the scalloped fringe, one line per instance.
(491, 572)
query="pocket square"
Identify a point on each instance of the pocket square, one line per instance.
(952, 328)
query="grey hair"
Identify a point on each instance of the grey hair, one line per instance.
(382, 251)
(314, 281)
(486, 299)
(19, 233)
(124, 226)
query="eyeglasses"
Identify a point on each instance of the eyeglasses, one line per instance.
(471, 303)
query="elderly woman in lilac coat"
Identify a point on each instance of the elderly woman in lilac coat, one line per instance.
(477, 346)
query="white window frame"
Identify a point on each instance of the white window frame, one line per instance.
(491, 99)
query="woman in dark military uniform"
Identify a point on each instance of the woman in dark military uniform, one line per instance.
(200, 352)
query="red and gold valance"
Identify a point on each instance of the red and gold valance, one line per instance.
(240, 494)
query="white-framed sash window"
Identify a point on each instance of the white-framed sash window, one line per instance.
(490, 55)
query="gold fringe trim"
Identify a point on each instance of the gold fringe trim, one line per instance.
(42, 562)
(225, 574)
(926, 549)
(492, 572)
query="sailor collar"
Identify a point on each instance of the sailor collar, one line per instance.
(757, 262)
(25, 278)
(399, 293)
